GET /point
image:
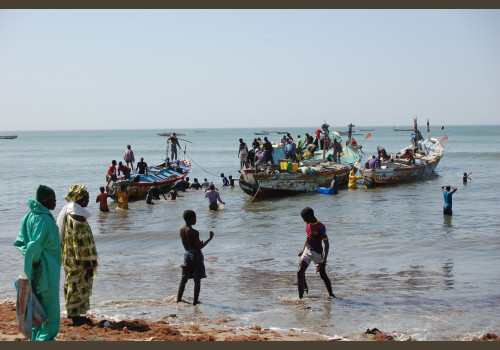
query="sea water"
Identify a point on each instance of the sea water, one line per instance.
(395, 262)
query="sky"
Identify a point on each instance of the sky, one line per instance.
(174, 69)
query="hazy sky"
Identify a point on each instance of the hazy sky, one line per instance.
(173, 69)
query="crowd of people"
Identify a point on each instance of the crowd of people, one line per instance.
(262, 151)
(48, 244)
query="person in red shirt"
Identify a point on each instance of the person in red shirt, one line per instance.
(102, 199)
(313, 251)
(111, 175)
(408, 154)
(354, 143)
(125, 170)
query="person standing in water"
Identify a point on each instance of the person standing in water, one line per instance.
(193, 266)
(102, 199)
(313, 251)
(448, 196)
(466, 177)
(213, 198)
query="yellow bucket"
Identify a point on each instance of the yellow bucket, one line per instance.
(283, 164)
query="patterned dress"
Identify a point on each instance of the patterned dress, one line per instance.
(78, 247)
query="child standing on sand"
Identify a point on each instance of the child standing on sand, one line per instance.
(313, 251)
(193, 266)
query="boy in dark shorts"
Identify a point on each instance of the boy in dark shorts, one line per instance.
(193, 266)
(313, 251)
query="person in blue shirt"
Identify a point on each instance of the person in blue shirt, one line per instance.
(448, 195)
(225, 181)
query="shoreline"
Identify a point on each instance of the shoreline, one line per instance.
(142, 330)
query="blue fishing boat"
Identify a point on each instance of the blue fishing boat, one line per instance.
(165, 176)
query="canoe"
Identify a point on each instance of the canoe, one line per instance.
(170, 134)
(274, 182)
(165, 179)
(430, 152)
(9, 137)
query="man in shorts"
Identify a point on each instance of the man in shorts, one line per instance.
(243, 154)
(313, 251)
(193, 266)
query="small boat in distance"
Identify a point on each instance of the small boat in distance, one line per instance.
(170, 134)
(9, 137)
(281, 132)
(397, 129)
(366, 129)
(261, 133)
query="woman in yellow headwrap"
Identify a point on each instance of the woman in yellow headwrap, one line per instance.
(79, 254)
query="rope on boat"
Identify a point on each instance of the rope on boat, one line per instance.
(255, 195)
(205, 170)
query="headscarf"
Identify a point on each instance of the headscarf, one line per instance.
(76, 192)
(43, 193)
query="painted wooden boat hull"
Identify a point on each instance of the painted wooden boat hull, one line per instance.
(288, 183)
(400, 173)
(165, 180)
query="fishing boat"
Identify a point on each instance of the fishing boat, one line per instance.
(165, 177)
(281, 132)
(427, 154)
(396, 129)
(170, 134)
(261, 133)
(273, 181)
(316, 171)
(9, 137)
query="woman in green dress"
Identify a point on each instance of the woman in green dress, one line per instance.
(79, 254)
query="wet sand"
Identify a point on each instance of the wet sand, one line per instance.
(141, 330)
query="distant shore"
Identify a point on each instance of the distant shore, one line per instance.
(141, 330)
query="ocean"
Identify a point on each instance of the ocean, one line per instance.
(395, 262)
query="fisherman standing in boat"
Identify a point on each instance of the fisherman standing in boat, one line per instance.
(128, 157)
(313, 251)
(448, 196)
(142, 167)
(175, 143)
(268, 151)
(243, 154)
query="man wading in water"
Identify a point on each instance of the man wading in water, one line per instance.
(193, 266)
(313, 251)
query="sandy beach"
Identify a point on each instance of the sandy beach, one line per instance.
(141, 330)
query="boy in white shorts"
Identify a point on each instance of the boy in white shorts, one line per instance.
(313, 251)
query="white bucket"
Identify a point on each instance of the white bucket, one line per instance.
(220, 206)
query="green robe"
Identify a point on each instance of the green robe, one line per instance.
(39, 240)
